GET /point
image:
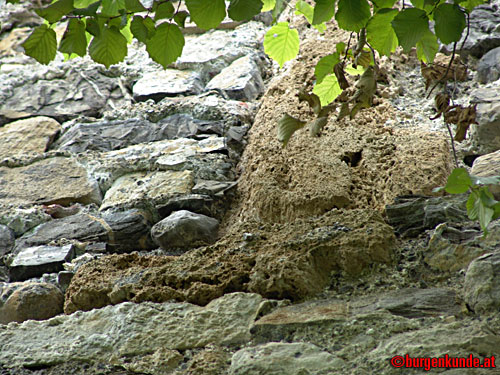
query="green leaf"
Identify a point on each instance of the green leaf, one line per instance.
(41, 44)
(142, 28)
(288, 125)
(89, 11)
(353, 15)
(242, 10)
(54, 12)
(278, 8)
(180, 18)
(134, 6)
(354, 71)
(471, 4)
(281, 43)
(384, 3)
(74, 39)
(410, 26)
(166, 45)
(323, 11)
(112, 8)
(496, 208)
(109, 47)
(317, 125)
(427, 47)
(472, 205)
(418, 4)
(458, 182)
(83, 3)
(325, 66)
(164, 10)
(207, 14)
(328, 89)
(305, 9)
(126, 32)
(450, 23)
(268, 5)
(379, 32)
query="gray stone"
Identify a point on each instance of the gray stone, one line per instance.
(184, 229)
(33, 135)
(488, 68)
(23, 301)
(115, 333)
(206, 159)
(63, 94)
(21, 220)
(482, 284)
(63, 279)
(212, 51)
(411, 215)
(183, 125)
(197, 203)
(487, 166)
(241, 80)
(7, 240)
(169, 82)
(284, 358)
(484, 34)
(55, 180)
(452, 247)
(486, 135)
(122, 231)
(212, 188)
(37, 260)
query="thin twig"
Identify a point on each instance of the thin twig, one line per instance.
(452, 144)
(442, 79)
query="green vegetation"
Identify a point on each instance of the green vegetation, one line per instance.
(104, 27)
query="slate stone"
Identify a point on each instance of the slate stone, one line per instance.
(35, 261)
(485, 136)
(411, 215)
(210, 187)
(169, 82)
(488, 68)
(122, 230)
(62, 95)
(54, 180)
(33, 135)
(482, 284)
(182, 125)
(184, 229)
(488, 166)
(7, 240)
(197, 203)
(21, 220)
(24, 301)
(241, 80)
(129, 329)
(284, 358)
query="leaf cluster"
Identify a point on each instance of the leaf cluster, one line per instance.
(481, 204)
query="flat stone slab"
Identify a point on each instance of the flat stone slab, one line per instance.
(129, 329)
(55, 180)
(35, 261)
(241, 80)
(33, 135)
(169, 82)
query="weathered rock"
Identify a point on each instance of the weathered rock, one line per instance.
(122, 231)
(162, 361)
(210, 52)
(11, 44)
(212, 188)
(241, 80)
(33, 135)
(169, 82)
(205, 158)
(488, 68)
(293, 260)
(197, 203)
(37, 260)
(54, 180)
(184, 229)
(21, 220)
(145, 189)
(482, 284)
(62, 94)
(486, 136)
(7, 240)
(284, 358)
(452, 247)
(23, 301)
(127, 330)
(411, 215)
(487, 166)
(212, 360)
